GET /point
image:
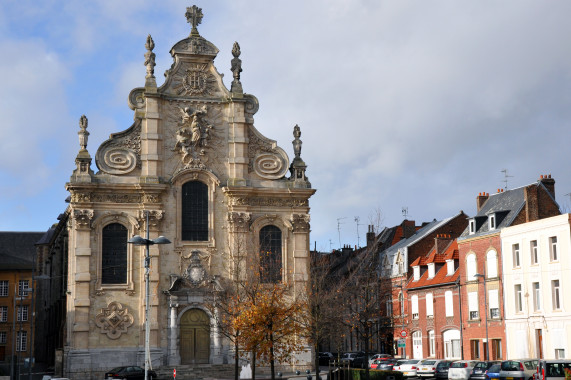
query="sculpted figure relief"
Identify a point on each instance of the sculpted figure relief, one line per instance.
(193, 135)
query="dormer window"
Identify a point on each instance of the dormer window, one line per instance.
(449, 267)
(492, 222)
(431, 270)
(472, 226)
(416, 273)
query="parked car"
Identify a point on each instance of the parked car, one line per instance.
(493, 373)
(374, 357)
(552, 369)
(384, 364)
(325, 358)
(442, 369)
(479, 371)
(129, 372)
(354, 359)
(518, 369)
(399, 362)
(461, 369)
(427, 368)
(410, 367)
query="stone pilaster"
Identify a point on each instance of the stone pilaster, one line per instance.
(237, 145)
(151, 141)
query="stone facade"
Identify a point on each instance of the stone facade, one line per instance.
(190, 129)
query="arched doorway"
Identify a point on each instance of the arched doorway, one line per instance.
(194, 337)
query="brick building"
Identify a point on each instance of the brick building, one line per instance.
(435, 323)
(395, 264)
(481, 260)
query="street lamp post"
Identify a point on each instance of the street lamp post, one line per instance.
(138, 240)
(483, 276)
(401, 301)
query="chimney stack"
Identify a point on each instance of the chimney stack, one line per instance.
(481, 199)
(370, 235)
(549, 183)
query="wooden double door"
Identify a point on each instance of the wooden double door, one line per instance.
(195, 337)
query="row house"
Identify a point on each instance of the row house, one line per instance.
(536, 267)
(17, 252)
(482, 260)
(394, 267)
(435, 324)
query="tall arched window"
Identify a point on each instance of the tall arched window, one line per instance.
(492, 264)
(270, 254)
(194, 211)
(471, 268)
(114, 254)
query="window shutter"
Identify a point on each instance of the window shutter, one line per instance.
(493, 299)
(449, 303)
(414, 300)
(473, 301)
(429, 305)
(492, 265)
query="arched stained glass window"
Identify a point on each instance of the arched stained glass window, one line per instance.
(114, 254)
(194, 211)
(270, 254)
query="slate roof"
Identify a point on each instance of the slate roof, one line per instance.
(17, 249)
(506, 205)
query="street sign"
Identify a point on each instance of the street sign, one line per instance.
(403, 333)
(174, 373)
(401, 343)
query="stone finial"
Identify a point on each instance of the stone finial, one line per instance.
(236, 69)
(194, 17)
(296, 141)
(83, 134)
(150, 57)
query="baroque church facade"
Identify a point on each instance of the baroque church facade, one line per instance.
(192, 168)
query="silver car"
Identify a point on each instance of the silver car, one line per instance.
(518, 369)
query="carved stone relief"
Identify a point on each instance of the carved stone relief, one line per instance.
(193, 133)
(83, 218)
(195, 273)
(194, 79)
(114, 320)
(121, 153)
(114, 198)
(239, 221)
(265, 158)
(155, 218)
(300, 222)
(267, 201)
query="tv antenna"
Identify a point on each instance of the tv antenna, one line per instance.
(357, 219)
(330, 244)
(506, 176)
(405, 212)
(339, 229)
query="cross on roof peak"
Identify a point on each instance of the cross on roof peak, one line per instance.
(194, 17)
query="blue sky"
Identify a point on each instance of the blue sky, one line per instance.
(400, 103)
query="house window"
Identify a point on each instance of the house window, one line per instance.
(4, 288)
(450, 267)
(559, 353)
(194, 211)
(3, 313)
(3, 337)
(416, 273)
(431, 270)
(431, 343)
(533, 252)
(22, 313)
(23, 288)
(389, 306)
(449, 303)
(474, 349)
(414, 311)
(429, 305)
(22, 341)
(270, 254)
(492, 222)
(555, 295)
(472, 226)
(473, 305)
(114, 254)
(496, 349)
(471, 267)
(492, 264)
(494, 304)
(518, 299)
(515, 255)
(401, 267)
(553, 248)
(536, 296)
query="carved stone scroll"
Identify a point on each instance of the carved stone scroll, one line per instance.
(114, 320)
